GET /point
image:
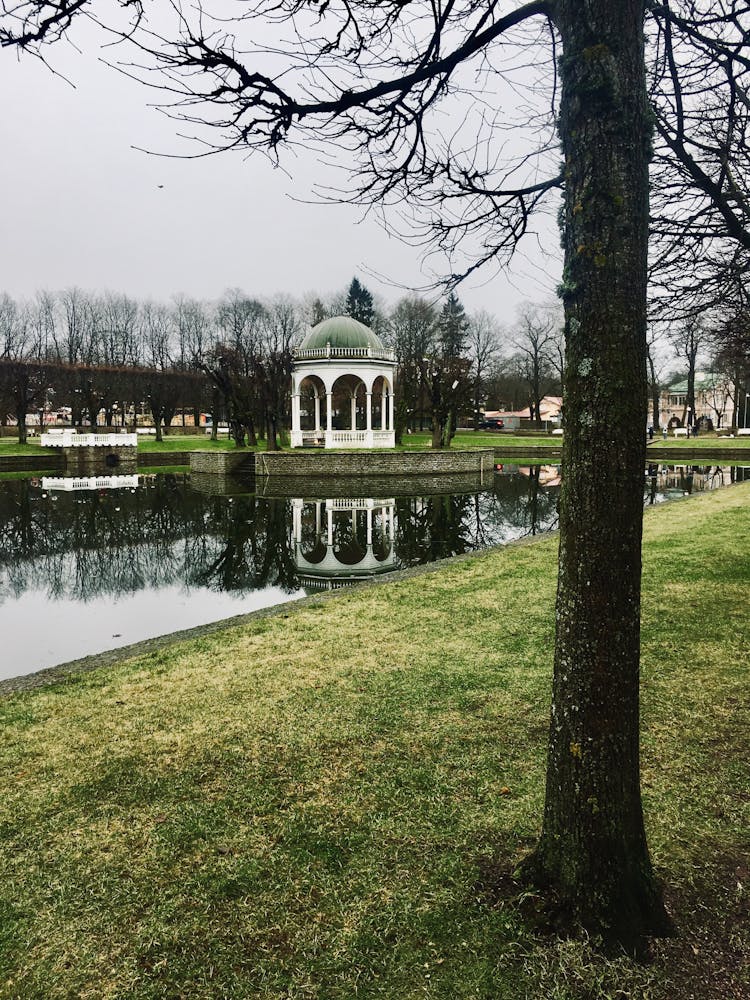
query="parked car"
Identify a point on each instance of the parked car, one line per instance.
(491, 424)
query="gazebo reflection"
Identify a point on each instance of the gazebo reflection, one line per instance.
(338, 542)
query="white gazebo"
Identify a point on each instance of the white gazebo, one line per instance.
(343, 363)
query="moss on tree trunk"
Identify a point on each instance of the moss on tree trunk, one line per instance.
(592, 854)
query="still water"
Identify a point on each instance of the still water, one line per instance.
(87, 566)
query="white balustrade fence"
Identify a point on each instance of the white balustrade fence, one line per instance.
(69, 439)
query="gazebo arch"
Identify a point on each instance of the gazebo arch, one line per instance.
(342, 388)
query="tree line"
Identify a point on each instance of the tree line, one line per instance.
(112, 358)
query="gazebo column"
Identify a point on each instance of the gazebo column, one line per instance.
(369, 526)
(329, 512)
(329, 420)
(317, 414)
(383, 405)
(368, 416)
(296, 421)
(392, 413)
(354, 413)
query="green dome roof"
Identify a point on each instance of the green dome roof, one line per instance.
(342, 332)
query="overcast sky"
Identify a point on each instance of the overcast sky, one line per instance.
(82, 206)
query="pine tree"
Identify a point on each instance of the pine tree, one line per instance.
(454, 327)
(359, 304)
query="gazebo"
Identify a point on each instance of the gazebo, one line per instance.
(344, 363)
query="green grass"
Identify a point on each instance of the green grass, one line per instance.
(312, 805)
(184, 442)
(704, 441)
(708, 443)
(191, 442)
(482, 439)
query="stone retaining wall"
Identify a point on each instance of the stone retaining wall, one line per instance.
(328, 488)
(698, 456)
(46, 460)
(323, 464)
(153, 459)
(91, 461)
(223, 463)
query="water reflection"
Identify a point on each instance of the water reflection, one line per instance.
(337, 542)
(667, 482)
(87, 565)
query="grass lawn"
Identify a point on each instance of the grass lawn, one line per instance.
(316, 805)
(191, 442)
(708, 441)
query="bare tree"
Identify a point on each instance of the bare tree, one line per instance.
(75, 331)
(535, 341)
(157, 338)
(731, 343)
(412, 332)
(657, 346)
(483, 346)
(273, 364)
(688, 342)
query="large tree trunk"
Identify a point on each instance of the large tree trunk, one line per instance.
(272, 443)
(592, 853)
(655, 393)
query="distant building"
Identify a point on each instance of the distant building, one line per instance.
(550, 413)
(714, 405)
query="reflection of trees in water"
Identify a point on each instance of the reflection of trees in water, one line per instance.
(440, 526)
(118, 542)
(664, 481)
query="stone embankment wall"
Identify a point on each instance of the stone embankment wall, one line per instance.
(223, 463)
(45, 461)
(154, 459)
(92, 461)
(338, 487)
(723, 456)
(321, 464)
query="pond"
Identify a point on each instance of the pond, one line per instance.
(87, 566)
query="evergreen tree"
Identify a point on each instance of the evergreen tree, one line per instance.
(454, 327)
(359, 304)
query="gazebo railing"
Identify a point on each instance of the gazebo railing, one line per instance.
(349, 437)
(344, 439)
(316, 353)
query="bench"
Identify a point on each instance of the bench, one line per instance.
(743, 431)
(680, 432)
(145, 430)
